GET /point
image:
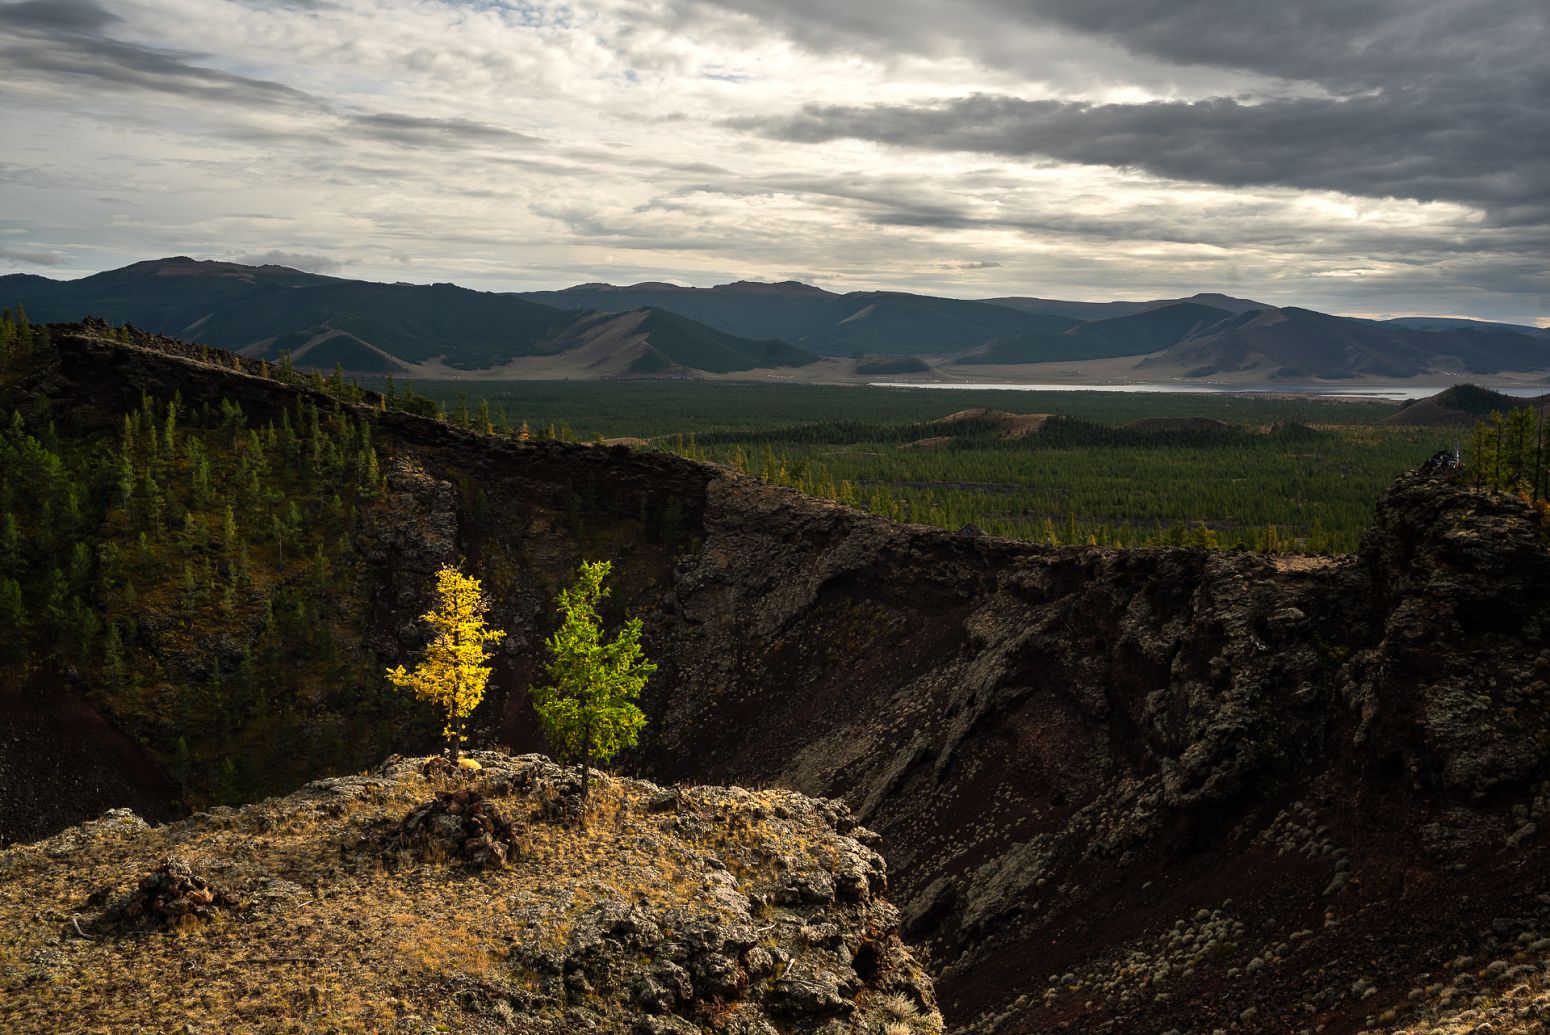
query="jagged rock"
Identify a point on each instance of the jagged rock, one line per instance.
(812, 887)
(816, 994)
(416, 533)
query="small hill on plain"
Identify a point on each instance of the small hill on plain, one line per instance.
(1461, 406)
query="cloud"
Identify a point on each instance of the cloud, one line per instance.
(1423, 99)
(57, 16)
(417, 131)
(30, 256)
(1086, 148)
(1342, 45)
(320, 264)
(1424, 45)
(62, 41)
(1373, 146)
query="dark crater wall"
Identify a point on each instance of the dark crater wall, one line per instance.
(1072, 754)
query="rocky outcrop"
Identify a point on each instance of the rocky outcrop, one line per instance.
(1119, 790)
(1073, 752)
(656, 911)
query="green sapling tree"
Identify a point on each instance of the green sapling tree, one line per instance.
(588, 711)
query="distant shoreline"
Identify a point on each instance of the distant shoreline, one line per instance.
(1365, 393)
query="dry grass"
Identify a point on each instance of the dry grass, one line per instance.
(359, 945)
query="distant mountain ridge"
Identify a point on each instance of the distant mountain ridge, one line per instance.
(1106, 310)
(655, 329)
(1294, 343)
(882, 323)
(372, 328)
(1131, 334)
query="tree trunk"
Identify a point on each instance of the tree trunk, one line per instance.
(455, 738)
(586, 769)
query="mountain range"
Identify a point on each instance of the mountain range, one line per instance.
(737, 329)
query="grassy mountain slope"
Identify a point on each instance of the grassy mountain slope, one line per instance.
(889, 323)
(884, 323)
(694, 345)
(1107, 310)
(1136, 334)
(747, 309)
(1445, 323)
(426, 330)
(415, 323)
(364, 327)
(1295, 342)
(171, 296)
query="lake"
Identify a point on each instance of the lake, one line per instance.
(1393, 393)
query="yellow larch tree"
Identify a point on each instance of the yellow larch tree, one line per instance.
(453, 673)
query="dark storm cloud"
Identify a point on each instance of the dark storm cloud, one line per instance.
(1357, 43)
(1344, 45)
(69, 43)
(414, 131)
(1373, 146)
(1422, 99)
(30, 256)
(56, 16)
(63, 41)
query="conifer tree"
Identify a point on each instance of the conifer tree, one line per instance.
(588, 711)
(13, 619)
(453, 673)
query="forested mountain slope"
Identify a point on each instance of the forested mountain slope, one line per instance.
(1120, 790)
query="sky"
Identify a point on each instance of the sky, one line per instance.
(1366, 157)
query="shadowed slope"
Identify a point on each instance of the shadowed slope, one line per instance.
(1121, 790)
